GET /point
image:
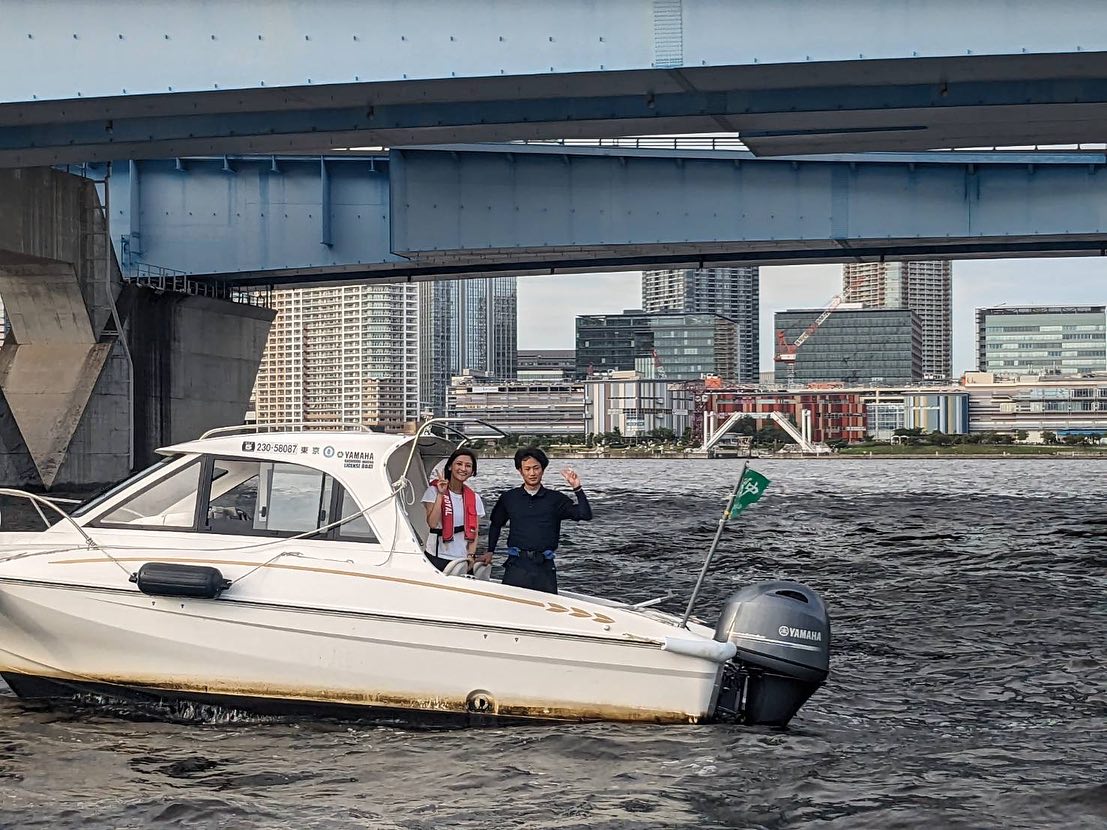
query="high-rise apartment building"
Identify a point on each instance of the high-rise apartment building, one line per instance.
(729, 292)
(853, 346)
(925, 288)
(466, 324)
(1032, 340)
(346, 354)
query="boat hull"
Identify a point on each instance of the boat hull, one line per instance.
(65, 641)
(180, 704)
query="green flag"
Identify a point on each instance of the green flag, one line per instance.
(751, 489)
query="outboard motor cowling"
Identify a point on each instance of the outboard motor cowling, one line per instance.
(782, 633)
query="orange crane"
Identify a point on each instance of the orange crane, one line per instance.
(786, 352)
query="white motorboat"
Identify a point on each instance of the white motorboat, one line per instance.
(283, 571)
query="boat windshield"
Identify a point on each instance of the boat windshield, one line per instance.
(103, 495)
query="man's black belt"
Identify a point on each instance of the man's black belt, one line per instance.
(531, 555)
(437, 531)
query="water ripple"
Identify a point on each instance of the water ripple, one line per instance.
(969, 685)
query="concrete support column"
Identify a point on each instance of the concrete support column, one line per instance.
(195, 363)
(72, 413)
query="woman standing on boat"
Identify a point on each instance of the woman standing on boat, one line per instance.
(453, 512)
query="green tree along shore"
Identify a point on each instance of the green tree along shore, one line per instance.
(917, 442)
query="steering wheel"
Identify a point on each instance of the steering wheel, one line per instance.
(458, 567)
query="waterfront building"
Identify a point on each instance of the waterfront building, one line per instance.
(545, 364)
(1064, 405)
(1031, 340)
(536, 408)
(836, 415)
(856, 346)
(636, 406)
(465, 324)
(733, 293)
(346, 354)
(843, 414)
(944, 410)
(925, 288)
(679, 346)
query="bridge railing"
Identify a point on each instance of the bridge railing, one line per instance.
(734, 143)
(160, 278)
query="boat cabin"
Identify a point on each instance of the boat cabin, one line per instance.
(355, 487)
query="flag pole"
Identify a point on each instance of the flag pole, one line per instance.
(714, 545)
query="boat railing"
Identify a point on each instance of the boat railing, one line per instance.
(446, 424)
(286, 426)
(36, 500)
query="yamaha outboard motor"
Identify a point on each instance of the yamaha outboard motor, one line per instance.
(782, 633)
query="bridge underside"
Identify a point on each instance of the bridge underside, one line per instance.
(119, 80)
(463, 211)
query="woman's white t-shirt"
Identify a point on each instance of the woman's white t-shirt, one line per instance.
(456, 547)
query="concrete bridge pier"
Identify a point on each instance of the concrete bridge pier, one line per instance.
(87, 392)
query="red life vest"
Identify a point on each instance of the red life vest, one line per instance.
(469, 499)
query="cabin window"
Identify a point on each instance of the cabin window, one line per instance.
(355, 530)
(169, 503)
(268, 498)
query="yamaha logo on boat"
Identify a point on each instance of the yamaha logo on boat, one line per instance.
(247, 446)
(357, 460)
(800, 633)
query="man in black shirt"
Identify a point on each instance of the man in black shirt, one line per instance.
(535, 515)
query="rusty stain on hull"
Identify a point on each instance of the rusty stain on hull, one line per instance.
(370, 700)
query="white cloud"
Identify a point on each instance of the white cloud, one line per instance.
(548, 306)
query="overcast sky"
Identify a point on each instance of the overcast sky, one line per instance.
(548, 305)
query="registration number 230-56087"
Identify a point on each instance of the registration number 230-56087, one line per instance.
(262, 446)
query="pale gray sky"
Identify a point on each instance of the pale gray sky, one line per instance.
(549, 305)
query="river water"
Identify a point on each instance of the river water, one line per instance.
(968, 686)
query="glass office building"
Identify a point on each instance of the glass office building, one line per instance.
(730, 292)
(611, 342)
(465, 324)
(1038, 340)
(673, 346)
(862, 346)
(925, 287)
(692, 346)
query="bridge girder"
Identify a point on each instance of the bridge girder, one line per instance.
(481, 210)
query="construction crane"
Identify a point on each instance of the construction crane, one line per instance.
(786, 352)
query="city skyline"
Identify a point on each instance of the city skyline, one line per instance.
(548, 306)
